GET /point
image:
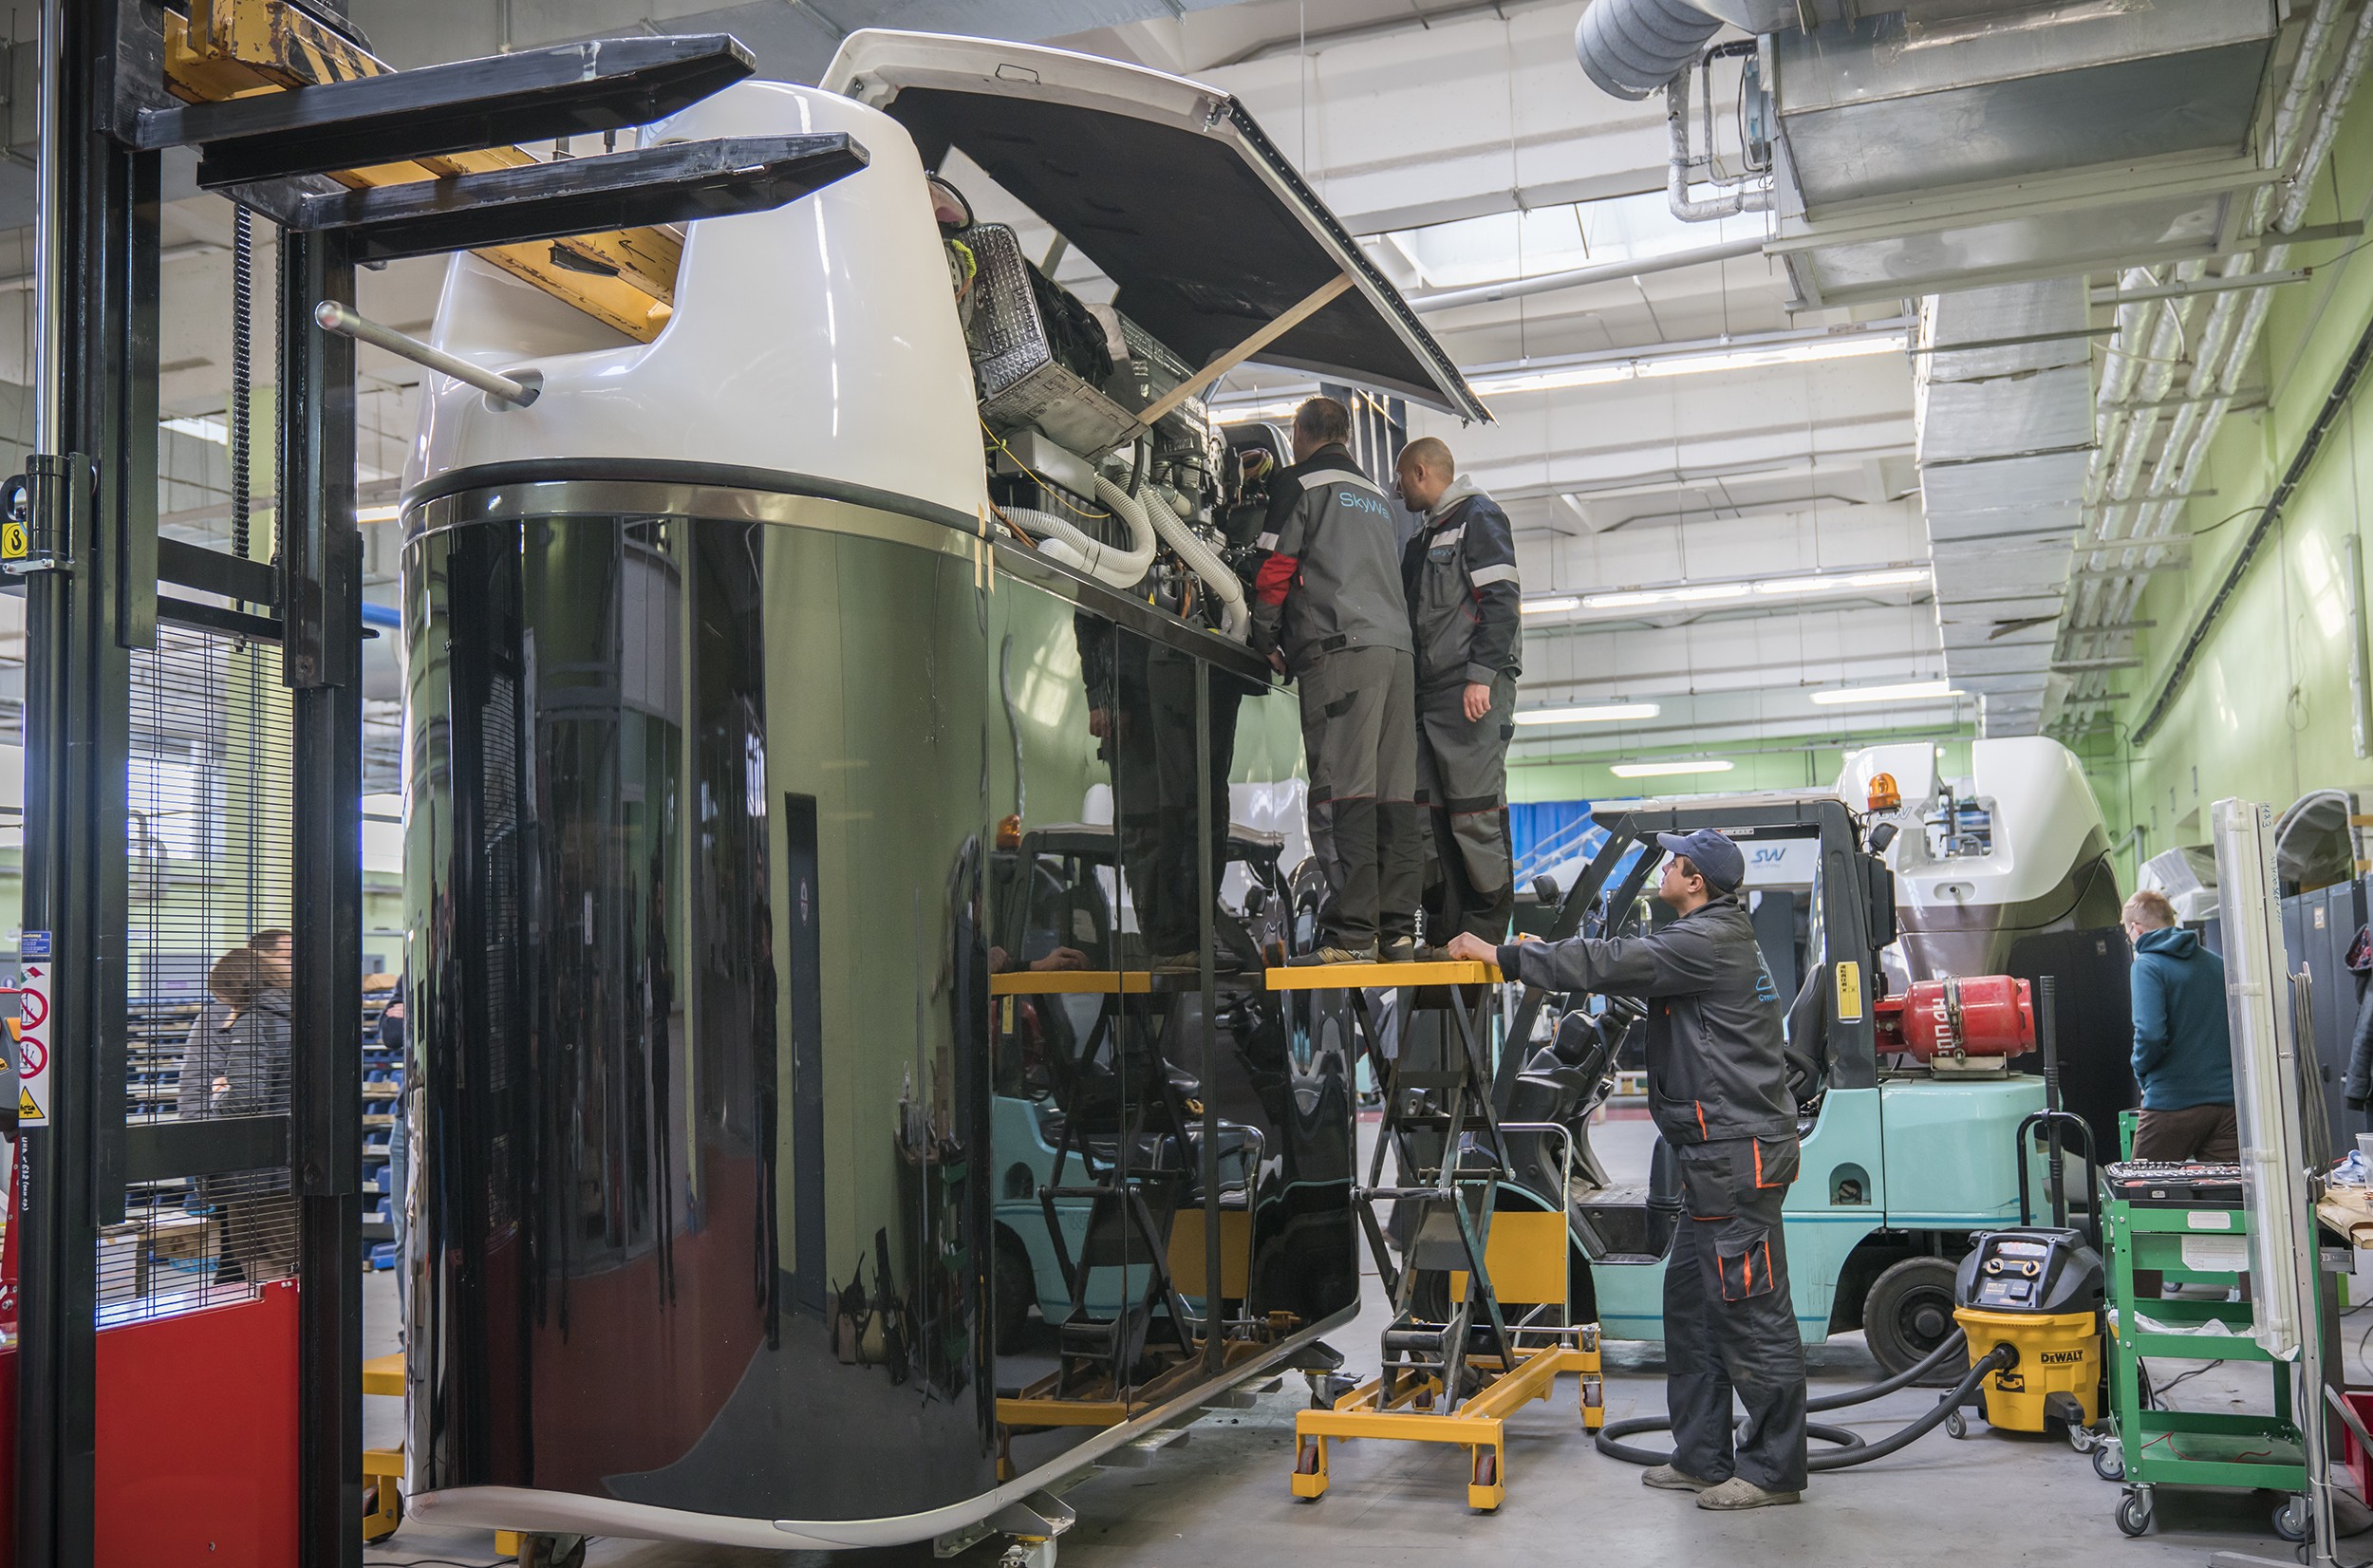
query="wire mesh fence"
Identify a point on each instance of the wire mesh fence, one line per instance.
(210, 864)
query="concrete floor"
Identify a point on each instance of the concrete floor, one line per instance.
(1222, 1496)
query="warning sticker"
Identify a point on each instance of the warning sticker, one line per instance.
(14, 543)
(1849, 991)
(30, 1029)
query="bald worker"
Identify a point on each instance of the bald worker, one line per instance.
(1458, 572)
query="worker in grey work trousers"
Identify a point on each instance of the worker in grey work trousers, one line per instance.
(1718, 1091)
(1458, 572)
(1327, 611)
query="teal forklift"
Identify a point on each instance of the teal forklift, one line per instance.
(1905, 1154)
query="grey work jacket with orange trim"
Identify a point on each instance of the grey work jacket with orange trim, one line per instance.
(1715, 1065)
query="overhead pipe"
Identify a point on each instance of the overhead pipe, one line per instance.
(1575, 277)
(1752, 198)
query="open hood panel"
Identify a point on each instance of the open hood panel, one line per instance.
(1169, 187)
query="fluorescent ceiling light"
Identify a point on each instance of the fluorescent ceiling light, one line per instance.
(1595, 714)
(1663, 770)
(1253, 413)
(206, 427)
(1691, 594)
(379, 513)
(1912, 691)
(1845, 582)
(1693, 362)
(1699, 593)
(1554, 380)
(1850, 346)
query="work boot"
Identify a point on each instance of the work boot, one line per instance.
(1333, 954)
(1739, 1492)
(1400, 950)
(1666, 1478)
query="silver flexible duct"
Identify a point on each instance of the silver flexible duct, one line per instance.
(1633, 47)
(1122, 566)
(1235, 615)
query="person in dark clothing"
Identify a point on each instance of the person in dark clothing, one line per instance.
(2182, 1045)
(1718, 1091)
(1458, 572)
(1328, 611)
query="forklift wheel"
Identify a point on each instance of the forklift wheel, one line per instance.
(2108, 1463)
(2291, 1520)
(2134, 1514)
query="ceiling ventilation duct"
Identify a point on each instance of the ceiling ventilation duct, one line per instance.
(1955, 143)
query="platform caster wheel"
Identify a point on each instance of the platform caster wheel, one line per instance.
(2291, 1520)
(1486, 1468)
(551, 1552)
(1957, 1425)
(2109, 1461)
(2134, 1514)
(378, 1527)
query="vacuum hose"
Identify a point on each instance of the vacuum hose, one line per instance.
(1235, 618)
(1851, 1446)
(1121, 566)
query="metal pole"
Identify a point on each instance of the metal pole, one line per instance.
(50, 229)
(1213, 1355)
(338, 317)
(2048, 1037)
(322, 587)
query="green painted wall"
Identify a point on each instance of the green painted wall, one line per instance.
(2265, 711)
(1782, 768)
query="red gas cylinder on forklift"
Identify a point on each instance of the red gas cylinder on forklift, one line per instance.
(1948, 1019)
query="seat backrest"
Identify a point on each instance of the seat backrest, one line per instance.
(1809, 1032)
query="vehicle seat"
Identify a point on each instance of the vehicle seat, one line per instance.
(1808, 1048)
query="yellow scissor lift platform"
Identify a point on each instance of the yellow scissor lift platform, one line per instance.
(1459, 1398)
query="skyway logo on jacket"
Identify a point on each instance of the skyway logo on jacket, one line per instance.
(1332, 578)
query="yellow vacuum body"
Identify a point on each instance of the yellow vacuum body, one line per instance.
(2038, 1290)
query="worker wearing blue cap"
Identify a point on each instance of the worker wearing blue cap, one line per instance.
(1718, 1091)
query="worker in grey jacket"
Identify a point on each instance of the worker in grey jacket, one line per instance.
(1717, 1089)
(1328, 611)
(1458, 572)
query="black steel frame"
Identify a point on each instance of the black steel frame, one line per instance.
(92, 501)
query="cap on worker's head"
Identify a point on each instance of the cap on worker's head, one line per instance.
(1716, 858)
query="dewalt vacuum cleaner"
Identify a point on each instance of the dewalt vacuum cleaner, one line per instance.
(2032, 1295)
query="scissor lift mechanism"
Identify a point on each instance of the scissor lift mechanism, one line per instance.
(1436, 1386)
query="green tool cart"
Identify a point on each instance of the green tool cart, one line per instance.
(2202, 1241)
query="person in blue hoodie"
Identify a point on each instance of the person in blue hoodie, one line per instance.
(2182, 1049)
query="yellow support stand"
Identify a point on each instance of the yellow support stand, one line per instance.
(383, 1469)
(1479, 1424)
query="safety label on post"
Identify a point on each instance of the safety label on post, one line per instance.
(15, 544)
(1849, 991)
(30, 1028)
